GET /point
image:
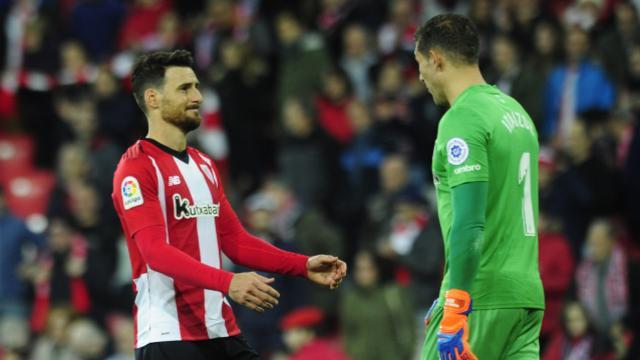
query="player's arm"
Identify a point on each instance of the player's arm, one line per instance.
(469, 203)
(168, 260)
(468, 174)
(250, 251)
(135, 198)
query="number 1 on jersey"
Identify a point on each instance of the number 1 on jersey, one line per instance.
(524, 174)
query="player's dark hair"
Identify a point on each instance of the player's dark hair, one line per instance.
(150, 68)
(453, 34)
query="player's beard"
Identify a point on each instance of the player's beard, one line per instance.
(439, 99)
(438, 95)
(184, 118)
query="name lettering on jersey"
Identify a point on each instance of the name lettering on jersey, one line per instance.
(131, 193)
(467, 168)
(183, 209)
(514, 119)
(173, 180)
(457, 151)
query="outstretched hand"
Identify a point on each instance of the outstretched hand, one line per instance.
(326, 270)
(253, 291)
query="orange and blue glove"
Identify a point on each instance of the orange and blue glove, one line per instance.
(453, 334)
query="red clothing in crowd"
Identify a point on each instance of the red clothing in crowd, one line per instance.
(334, 119)
(320, 349)
(556, 271)
(141, 22)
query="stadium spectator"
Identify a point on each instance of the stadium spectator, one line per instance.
(258, 328)
(588, 186)
(14, 337)
(537, 66)
(303, 59)
(77, 108)
(117, 118)
(59, 279)
(362, 156)
(52, 344)
(358, 59)
(577, 339)
(96, 24)
(122, 332)
(557, 268)
(412, 241)
(376, 315)
(86, 340)
(395, 36)
(601, 277)
(305, 151)
(301, 335)
(393, 177)
(15, 241)
(72, 167)
(311, 231)
(391, 109)
(332, 104)
(573, 87)
(615, 44)
(512, 76)
(243, 74)
(74, 64)
(141, 22)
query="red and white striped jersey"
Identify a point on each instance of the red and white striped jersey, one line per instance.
(153, 187)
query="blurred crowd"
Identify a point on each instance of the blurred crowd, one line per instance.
(315, 115)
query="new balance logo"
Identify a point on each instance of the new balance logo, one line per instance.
(173, 180)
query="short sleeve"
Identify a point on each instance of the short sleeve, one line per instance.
(465, 137)
(135, 195)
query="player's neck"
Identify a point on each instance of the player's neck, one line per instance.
(460, 80)
(167, 134)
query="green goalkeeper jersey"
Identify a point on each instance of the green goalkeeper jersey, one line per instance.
(487, 136)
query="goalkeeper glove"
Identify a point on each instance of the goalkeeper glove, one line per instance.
(453, 335)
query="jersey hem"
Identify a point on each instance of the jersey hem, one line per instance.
(193, 338)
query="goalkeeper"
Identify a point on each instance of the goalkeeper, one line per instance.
(485, 168)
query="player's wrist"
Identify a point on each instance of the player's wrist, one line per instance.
(457, 305)
(302, 265)
(457, 301)
(222, 280)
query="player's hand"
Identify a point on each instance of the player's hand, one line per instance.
(253, 291)
(453, 334)
(326, 270)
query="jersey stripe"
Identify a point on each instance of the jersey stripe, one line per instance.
(163, 314)
(189, 299)
(208, 171)
(208, 244)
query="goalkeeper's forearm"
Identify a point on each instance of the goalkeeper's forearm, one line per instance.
(467, 233)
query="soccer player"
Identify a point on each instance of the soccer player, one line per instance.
(177, 221)
(486, 178)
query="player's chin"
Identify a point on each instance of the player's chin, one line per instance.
(190, 123)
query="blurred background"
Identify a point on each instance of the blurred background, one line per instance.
(315, 115)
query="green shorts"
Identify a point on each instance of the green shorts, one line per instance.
(494, 334)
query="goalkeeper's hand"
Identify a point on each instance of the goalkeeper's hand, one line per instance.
(453, 334)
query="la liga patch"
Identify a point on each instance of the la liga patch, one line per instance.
(131, 193)
(457, 151)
